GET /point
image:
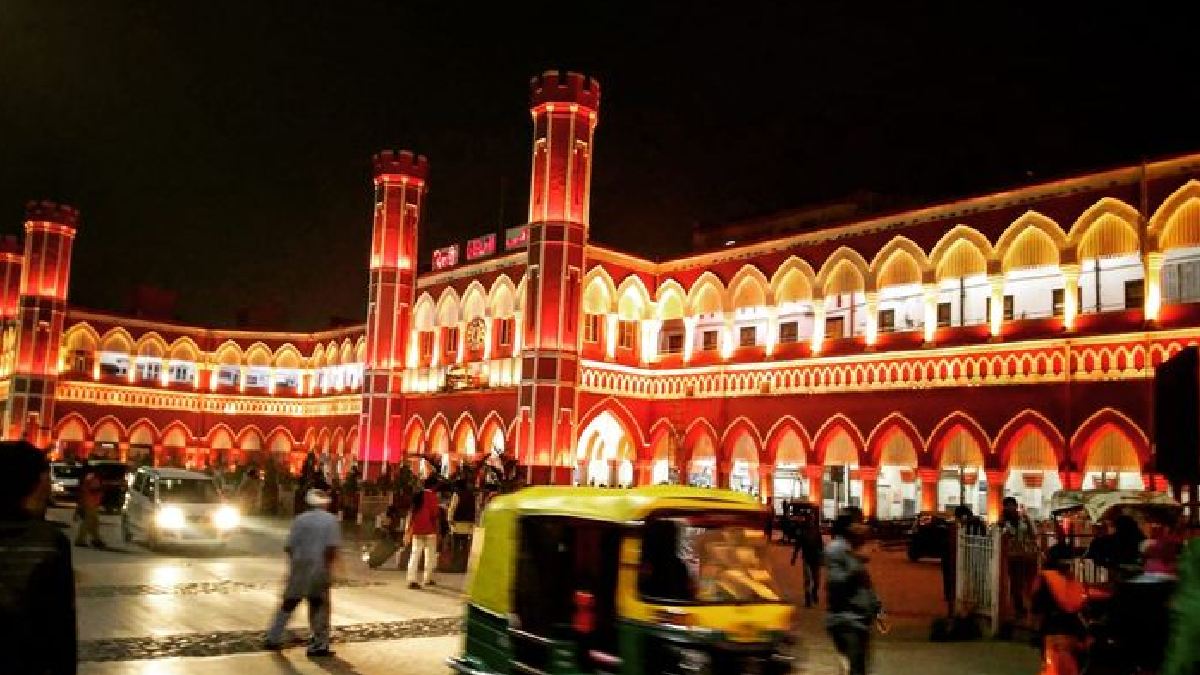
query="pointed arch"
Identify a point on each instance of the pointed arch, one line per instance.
(143, 432)
(633, 300)
(228, 354)
(955, 434)
(71, 428)
(899, 262)
(1109, 227)
(1176, 222)
(671, 300)
(117, 341)
(352, 441)
(502, 298)
(787, 442)
(895, 441)
(250, 438)
(184, 349)
(448, 311)
(1089, 440)
(491, 429)
(1033, 240)
(108, 429)
(337, 442)
(618, 410)
(465, 438)
(749, 287)
(176, 435)
(220, 437)
(438, 439)
(706, 296)
(844, 272)
(961, 252)
(360, 349)
(700, 441)
(332, 354)
(414, 436)
(1024, 423)
(151, 345)
(281, 440)
(793, 281)
(474, 301)
(735, 438)
(346, 354)
(424, 312)
(81, 337)
(521, 292)
(287, 357)
(599, 292)
(838, 440)
(258, 355)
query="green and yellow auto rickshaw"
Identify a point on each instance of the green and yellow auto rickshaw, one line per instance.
(670, 580)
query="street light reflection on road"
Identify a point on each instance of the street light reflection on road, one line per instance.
(166, 575)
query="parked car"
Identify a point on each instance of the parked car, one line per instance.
(114, 480)
(174, 506)
(929, 537)
(64, 482)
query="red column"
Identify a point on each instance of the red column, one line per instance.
(816, 483)
(45, 276)
(870, 477)
(564, 108)
(399, 194)
(995, 493)
(929, 488)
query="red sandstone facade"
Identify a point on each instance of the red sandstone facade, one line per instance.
(1001, 344)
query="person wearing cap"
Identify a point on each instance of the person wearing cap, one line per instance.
(312, 546)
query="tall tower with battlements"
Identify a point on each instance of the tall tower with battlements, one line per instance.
(565, 108)
(41, 309)
(399, 194)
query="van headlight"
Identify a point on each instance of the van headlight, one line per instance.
(226, 518)
(170, 518)
(694, 661)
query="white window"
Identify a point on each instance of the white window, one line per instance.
(258, 377)
(229, 375)
(180, 371)
(114, 364)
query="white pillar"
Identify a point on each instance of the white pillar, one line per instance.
(1153, 261)
(650, 332)
(610, 335)
(1070, 274)
(689, 337)
(871, 329)
(930, 296)
(818, 334)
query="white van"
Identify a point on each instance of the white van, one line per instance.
(174, 506)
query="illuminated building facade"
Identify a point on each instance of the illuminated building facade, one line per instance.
(990, 346)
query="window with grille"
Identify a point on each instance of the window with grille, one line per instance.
(671, 338)
(625, 331)
(425, 338)
(506, 330)
(1181, 281)
(943, 314)
(747, 336)
(591, 327)
(451, 340)
(887, 320)
(789, 331)
(708, 340)
(1056, 300)
(1135, 294)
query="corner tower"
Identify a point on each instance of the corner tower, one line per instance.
(565, 108)
(41, 309)
(399, 179)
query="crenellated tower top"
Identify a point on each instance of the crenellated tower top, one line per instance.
(569, 87)
(401, 163)
(52, 212)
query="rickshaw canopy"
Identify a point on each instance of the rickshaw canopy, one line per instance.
(494, 562)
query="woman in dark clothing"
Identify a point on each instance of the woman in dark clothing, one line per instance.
(1057, 600)
(807, 543)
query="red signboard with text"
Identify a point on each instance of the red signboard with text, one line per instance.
(516, 237)
(481, 247)
(445, 257)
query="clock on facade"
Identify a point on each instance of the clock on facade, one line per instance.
(476, 333)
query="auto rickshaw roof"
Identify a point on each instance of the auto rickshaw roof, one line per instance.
(492, 574)
(1099, 504)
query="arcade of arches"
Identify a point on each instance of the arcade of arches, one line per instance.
(890, 471)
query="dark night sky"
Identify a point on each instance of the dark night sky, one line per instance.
(221, 148)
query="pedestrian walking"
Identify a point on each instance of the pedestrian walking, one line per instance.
(312, 546)
(91, 492)
(853, 607)
(808, 546)
(421, 534)
(37, 585)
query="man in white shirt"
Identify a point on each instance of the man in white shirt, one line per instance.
(312, 548)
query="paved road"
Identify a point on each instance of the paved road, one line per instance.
(197, 612)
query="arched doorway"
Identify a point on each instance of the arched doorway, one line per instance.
(1033, 472)
(1111, 462)
(842, 487)
(702, 468)
(789, 478)
(896, 486)
(962, 479)
(743, 464)
(660, 463)
(605, 453)
(439, 447)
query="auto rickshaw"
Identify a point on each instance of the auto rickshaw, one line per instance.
(655, 580)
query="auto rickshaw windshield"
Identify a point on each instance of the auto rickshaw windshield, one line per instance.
(706, 559)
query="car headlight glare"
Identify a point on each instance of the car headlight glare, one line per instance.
(226, 518)
(57, 487)
(170, 518)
